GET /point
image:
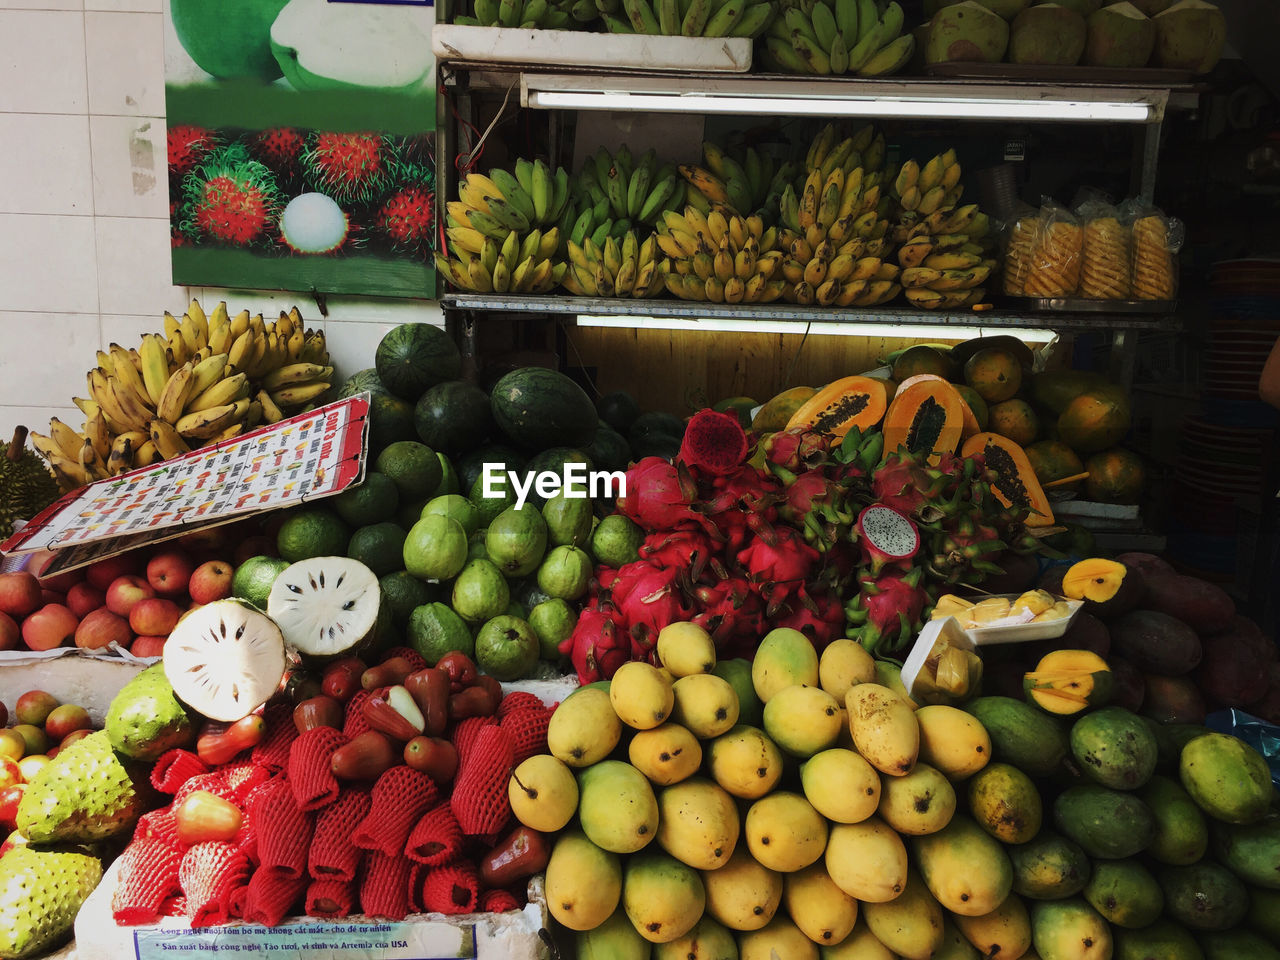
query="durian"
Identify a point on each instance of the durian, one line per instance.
(26, 486)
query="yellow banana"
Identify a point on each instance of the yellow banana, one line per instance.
(199, 322)
(850, 292)
(175, 353)
(932, 200)
(206, 373)
(925, 298)
(293, 373)
(239, 323)
(191, 338)
(270, 412)
(913, 277)
(931, 175)
(176, 393)
(230, 433)
(98, 433)
(298, 394)
(168, 442)
(957, 260)
(67, 440)
(206, 423)
(120, 456)
(133, 415)
(146, 455)
(155, 366)
(284, 326)
(225, 391)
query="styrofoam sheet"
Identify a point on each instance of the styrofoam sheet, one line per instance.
(610, 50)
(71, 676)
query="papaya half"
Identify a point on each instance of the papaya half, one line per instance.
(1015, 483)
(971, 425)
(848, 402)
(927, 418)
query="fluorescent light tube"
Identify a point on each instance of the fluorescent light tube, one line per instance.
(816, 328)
(941, 107)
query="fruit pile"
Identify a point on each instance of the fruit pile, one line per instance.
(843, 36)
(385, 794)
(132, 600)
(206, 379)
(801, 805)
(1186, 35)
(44, 727)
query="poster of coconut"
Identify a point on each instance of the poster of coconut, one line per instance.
(301, 145)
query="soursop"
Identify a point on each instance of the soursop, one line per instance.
(83, 795)
(145, 718)
(40, 895)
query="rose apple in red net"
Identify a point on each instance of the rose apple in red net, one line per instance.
(154, 616)
(127, 591)
(170, 572)
(19, 594)
(102, 628)
(211, 581)
(84, 598)
(51, 626)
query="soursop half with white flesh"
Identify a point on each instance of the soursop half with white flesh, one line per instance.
(84, 794)
(225, 659)
(40, 894)
(325, 606)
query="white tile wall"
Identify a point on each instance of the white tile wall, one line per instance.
(84, 236)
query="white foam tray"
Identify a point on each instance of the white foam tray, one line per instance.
(556, 48)
(72, 675)
(485, 936)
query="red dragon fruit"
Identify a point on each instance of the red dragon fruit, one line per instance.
(230, 198)
(815, 504)
(597, 646)
(779, 563)
(714, 443)
(885, 614)
(886, 536)
(819, 616)
(660, 496)
(687, 550)
(796, 449)
(731, 609)
(906, 484)
(349, 167)
(280, 148)
(648, 598)
(742, 502)
(963, 551)
(187, 146)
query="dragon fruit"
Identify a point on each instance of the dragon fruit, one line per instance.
(660, 496)
(648, 598)
(685, 549)
(714, 443)
(815, 504)
(886, 536)
(796, 449)
(961, 552)
(886, 613)
(731, 610)
(906, 484)
(740, 503)
(819, 617)
(782, 560)
(597, 646)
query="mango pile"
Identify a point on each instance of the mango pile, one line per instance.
(801, 806)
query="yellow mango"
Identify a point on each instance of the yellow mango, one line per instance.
(964, 868)
(802, 720)
(697, 823)
(784, 832)
(843, 664)
(584, 729)
(583, 882)
(641, 695)
(781, 938)
(953, 741)
(743, 894)
(823, 912)
(918, 803)
(685, 649)
(745, 762)
(867, 860)
(884, 728)
(1002, 934)
(841, 785)
(911, 924)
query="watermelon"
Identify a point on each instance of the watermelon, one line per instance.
(390, 418)
(469, 466)
(415, 356)
(361, 381)
(656, 423)
(453, 416)
(539, 408)
(553, 461)
(609, 450)
(619, 410)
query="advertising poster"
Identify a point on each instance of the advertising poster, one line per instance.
(301, 145)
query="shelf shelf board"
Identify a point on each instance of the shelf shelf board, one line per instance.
(764, 315)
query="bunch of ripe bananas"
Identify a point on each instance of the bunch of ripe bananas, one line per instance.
(752, 182)
(722, 257)
(836, 233)
(939, 243)
(692, 18)
(839, 37)
(612, 269)
(615, 192)
(206, 379)
(501, 231)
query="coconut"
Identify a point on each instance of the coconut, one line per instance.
(1008, 9)
(1047, 34)
(1085, 8)
(1150, 8)
(967, 31)
(1190, 36)
(1119, 36)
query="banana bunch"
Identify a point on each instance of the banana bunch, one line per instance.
(615, 191)
(835, 37)
(502, 233)
(206, 379)
(752, 182)
(940, 245)
(835, 234)
(721, 257)
(692, 18)
(628, 268)
(529, 14)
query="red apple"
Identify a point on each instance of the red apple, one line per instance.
(50, 626)
(84, 598)
(101, 574)
(19, 594)
(58, 581)
(125, 591)
(10, 632)
(148, 646)
(66, 719)
(211, 581)
(34, 707)
(154, 617)
(10, 772)
(12, 745)
(101, 629)
(52, 596)
(170, 572)
(15, 839)
(10, 797)
(258, 546)
(30, 766)
(71, 738)
(33, 737)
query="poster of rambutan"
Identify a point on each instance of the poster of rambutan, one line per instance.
(301, 145)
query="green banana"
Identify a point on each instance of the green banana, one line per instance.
(725, 18)
(669, 17)
(643, 19)
(824, 25)
(847, 20)
(487, 12)
(509, 12)
(890, 58)
(513, 193)
(696, 19)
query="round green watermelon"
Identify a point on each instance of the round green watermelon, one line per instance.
(390, 418)
(539, 408)
(453, 416)
(470, 465)
(361, 381)
(609, 450)
(415, 356)
(618, 409)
